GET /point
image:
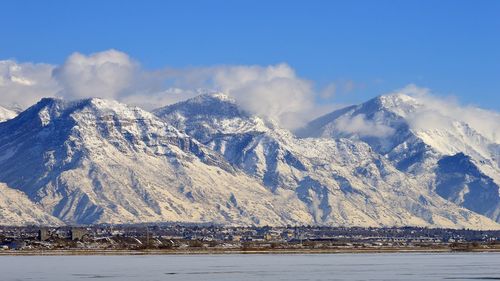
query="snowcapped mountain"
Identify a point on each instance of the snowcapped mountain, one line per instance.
(451, 155)
(95, 160)
(341, 181)
(17, 209)
(206, 160)
(6, 114)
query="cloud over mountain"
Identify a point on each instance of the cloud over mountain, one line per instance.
(22, 84)
(275, 92)
(360, 125)
(106, 74)
(439, 113)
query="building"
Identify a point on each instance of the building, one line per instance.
(78, 233)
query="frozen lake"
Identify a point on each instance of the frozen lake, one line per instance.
(400, 266)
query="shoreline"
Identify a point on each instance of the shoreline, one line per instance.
(76, 252)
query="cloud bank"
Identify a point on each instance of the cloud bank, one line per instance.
(275, 91)
(22, 84)
(359, 125)
(438, 113)
(106, 74)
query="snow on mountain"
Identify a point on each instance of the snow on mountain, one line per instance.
(416, 135)
(6, 114)
(206, 160)
(341, 181)
(17, 209)
(96, 161)
(459, 179)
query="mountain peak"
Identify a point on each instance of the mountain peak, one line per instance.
(97, 160)
(401, 98)
(398, 98)
(210, 114)
(212, 97)
(421, 131)
(215, 104)
(399, 103)
(58, 106)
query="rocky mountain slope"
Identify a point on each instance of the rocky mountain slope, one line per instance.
(341, 181)
(206, 160)
(95, 161)
(422, 142)
(17, 209)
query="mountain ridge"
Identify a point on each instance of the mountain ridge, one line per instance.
(412, 147)
(274, 155)
(205, 160)
(101, 161)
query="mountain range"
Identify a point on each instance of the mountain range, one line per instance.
(207, 160)
(455, 158)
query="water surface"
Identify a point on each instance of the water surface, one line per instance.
(399, 266)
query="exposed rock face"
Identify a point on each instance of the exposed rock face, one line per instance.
(100, 161)
(341, 181)
(206, 160)
(17, 209)
(423, 152)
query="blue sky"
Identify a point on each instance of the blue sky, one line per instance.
(451, 47)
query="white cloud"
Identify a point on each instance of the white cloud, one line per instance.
(154, 99)
(438, 113)
(22, 84)
(110, 74)
(429, 119)
(412, 90)
(274, 91)
(359, 125)
(106, 74)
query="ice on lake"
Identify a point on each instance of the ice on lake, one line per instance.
(399, 266)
